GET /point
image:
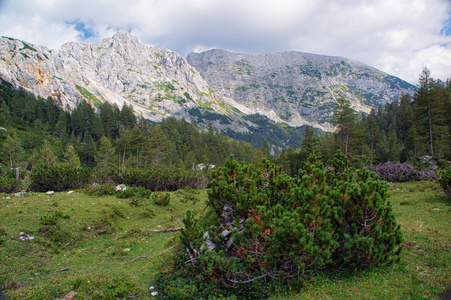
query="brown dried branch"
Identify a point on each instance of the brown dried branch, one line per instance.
(169, 229)
(167, 250)
(253, 279)
(124, 257)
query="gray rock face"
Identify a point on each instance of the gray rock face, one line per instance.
(120, 69)
(296, 88)
(214, 86)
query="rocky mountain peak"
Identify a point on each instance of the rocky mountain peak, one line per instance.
(294, 87)
(216, 86)
(119, 69)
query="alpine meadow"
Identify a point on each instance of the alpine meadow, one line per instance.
(130, 172)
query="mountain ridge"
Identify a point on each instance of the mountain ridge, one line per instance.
(302, 82)
(289, 87)
(118, 69)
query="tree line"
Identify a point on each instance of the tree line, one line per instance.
(38, 132)
(400, 131)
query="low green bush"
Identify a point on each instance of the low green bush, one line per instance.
(159, 178)
(131, 192)
(161, 199)
(3, 235)
(54, 231)
(188, 195)
(99, 190)
(266, 231)
(10, 185)
(56, 178)
(445, 182)
(106, 286)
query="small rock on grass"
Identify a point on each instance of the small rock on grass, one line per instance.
(68, 296)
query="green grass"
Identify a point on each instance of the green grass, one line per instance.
(88, 95)
(26, 46)
(103, 247)
(95, 248)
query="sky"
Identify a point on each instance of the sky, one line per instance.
(399, 37)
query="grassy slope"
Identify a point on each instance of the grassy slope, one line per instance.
(93, 258)
(89, 248)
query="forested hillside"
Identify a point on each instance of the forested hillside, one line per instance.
(401, 131)
(37, 132)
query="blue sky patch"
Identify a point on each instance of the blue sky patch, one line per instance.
(446, 30)
(84, 30)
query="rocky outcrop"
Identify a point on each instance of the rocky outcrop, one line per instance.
(157, 82)
(216, 86)
(296, 88)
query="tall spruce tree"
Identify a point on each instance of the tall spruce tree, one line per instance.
(345, 119)
(70, 158)
(13, 147)
(423, 104)
(159, 146)
(106, 155)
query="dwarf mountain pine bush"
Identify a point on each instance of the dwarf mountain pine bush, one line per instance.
(265, 230)
(57, 178)
(445, 182)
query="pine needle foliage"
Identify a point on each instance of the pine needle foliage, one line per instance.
(445, 182)
(266, 231)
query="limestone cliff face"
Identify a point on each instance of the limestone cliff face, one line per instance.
(215, 87)
(296, 88)
(120, 69)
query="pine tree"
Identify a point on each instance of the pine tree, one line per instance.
(106, 155)
(47, 156)
(110, 118)
(13, 147)
(61, 127)
(70, 158)
(160, 147)
(393, 145)
(423, 104)
(372, 129)
(264, 229)
(309, 142)
(137, 143)
(123, 146)
(4, 113)
(405, 120)
(345, 119)
(265, 149)
(88, 150)
(127, 116)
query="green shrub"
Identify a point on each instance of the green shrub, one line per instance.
(161, 199)
(131, 192)
(55, 232)
(105, 225)
(265, 230)
(100, 189)
(445, 182)
(159, 178)
(56, 178)
(188, 195)
(10, 185)
(3, 235)
(106, 286)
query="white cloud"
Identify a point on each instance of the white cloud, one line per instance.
(399, 37)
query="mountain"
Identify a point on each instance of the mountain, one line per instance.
(269, 96)
(297, 88)
(158, 83)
